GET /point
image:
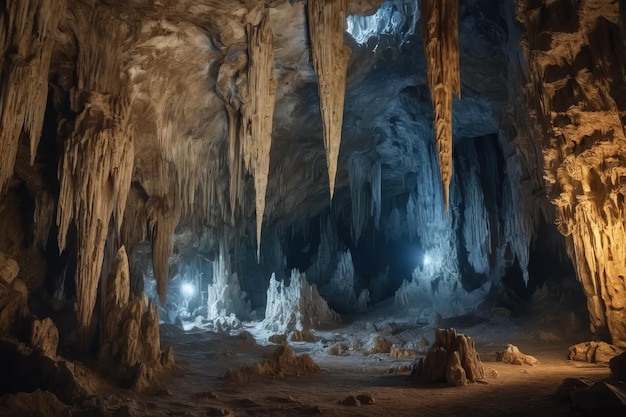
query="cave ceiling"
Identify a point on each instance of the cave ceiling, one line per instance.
(175, 127)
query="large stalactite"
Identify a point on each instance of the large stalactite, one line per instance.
(441, 43)
(327, 23)
(26, 42)
(258, 113)
(97, 165)
(577, 59)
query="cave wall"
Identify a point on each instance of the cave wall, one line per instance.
(576, 58)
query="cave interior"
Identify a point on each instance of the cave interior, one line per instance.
(235, 194)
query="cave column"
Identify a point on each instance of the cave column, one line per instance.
(97, 163)
(577, 71)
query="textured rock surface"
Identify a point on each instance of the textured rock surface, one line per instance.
(577, 66)
(511, 354)
(149, 131)
(452, 358)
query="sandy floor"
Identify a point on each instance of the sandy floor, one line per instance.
(196, 388)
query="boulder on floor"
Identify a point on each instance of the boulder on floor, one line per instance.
(511, 354)
(450, 354)
(594, 352)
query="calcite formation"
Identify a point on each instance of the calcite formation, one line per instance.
(441, 43)
(576, 57)
(327, 23)
(258, 113)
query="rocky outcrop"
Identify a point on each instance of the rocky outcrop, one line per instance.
(595, 352)
(452, 358)
(577, 60)
(130, 349)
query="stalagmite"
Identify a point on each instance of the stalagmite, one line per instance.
(296, 306)
(441, 42)
(26, 42)
(258, 113)
(327, 24)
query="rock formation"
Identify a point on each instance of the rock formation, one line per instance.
(327, 23)
(441, 43)
(452, 358)
(576, 68)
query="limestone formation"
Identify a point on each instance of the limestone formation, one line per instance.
(283, 362)
(258, 113)
(441, 43)
(511, 354)
(130, 347)
(452, 359)
(295, 306)
(327, 24)
(45, 337)
(576, 70)
(595, 352)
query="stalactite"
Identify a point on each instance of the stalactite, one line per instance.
(26, 42)
(163, 216)
(258, 113)
(441, 43)
(359, 170)
(95, 178)
(327, 24)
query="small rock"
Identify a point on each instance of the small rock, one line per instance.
(491, 373)
(45, 337)
(301, 336)
(164, 392)
(279, 339)
(380, 345)
(351, 400)
(366, 399)
(167, 357)
(9, 269)
(511, 354)
(339, 349)
(399, 352)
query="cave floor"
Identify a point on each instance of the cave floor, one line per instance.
(196, 387)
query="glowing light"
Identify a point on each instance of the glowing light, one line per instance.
(187, 290)
(426, 259)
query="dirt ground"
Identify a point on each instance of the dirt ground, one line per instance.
(196, 388)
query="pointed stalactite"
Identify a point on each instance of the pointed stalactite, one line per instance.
(327, 24)
(441, 44)
(258, 113)
(95, 177)
(26, 39)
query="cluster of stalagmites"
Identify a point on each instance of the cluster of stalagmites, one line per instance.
(131, 331)
(452, 359)
(129, 345)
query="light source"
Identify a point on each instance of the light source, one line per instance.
(187, 290)
(426, 259)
